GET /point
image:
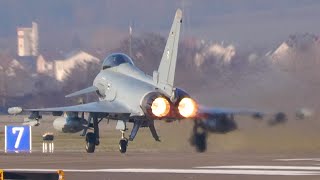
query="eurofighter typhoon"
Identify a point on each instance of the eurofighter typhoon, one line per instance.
(128, 95)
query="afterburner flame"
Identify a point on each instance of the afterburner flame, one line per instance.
(160, 107)
(187, 107)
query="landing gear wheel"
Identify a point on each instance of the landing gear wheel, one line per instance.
(90, 142)
(200, 141)
(123, 143)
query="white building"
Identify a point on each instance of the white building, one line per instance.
(62, 68)
(44, 67)
(28, 39)
(35, 63)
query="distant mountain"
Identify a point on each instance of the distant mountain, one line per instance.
(295, 44)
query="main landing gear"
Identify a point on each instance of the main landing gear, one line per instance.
(92, 138)
(90, 142)
(199, 138)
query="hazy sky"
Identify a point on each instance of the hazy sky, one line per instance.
(257, 21)
(239, 21)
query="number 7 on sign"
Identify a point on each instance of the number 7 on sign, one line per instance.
(20, 132)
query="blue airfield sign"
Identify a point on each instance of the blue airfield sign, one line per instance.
(18, 139)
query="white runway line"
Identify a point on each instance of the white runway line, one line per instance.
(181, 171)
(262, 167)
(299, 159)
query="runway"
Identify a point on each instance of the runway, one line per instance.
(160, 165)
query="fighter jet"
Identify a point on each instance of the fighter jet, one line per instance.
(128, 95)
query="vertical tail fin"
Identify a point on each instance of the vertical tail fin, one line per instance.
(166, 71)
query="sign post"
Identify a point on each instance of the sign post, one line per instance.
(18, 139)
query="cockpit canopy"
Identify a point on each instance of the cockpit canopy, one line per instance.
(116, 59)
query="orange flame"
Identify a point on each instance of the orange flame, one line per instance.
(160, 107)
(187, 107)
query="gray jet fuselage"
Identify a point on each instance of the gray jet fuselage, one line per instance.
(125, 84)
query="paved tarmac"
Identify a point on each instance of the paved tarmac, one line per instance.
(228, 157)
(160, 165)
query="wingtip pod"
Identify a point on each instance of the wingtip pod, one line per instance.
(15, 110)
(304, 113)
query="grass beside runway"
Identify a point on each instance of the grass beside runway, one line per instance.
(252, 136)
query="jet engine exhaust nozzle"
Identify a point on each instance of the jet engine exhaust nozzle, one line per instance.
(156, 105)
(187, 107)
(160, 107)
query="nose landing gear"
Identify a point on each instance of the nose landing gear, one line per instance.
(123, 143)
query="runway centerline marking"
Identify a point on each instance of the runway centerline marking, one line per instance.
(261, 167)
(299, 159)
(181, 171)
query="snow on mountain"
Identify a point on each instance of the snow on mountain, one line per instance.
(295, 44)
(223, 54)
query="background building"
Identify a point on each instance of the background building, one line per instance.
(63, 68)
(28, 40)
